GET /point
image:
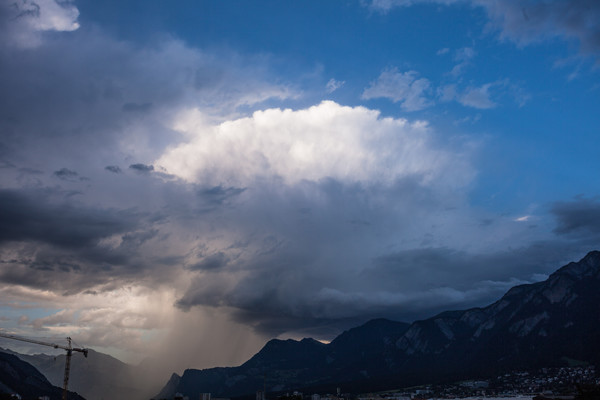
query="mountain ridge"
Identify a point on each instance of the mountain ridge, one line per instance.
(525, 328)
(99, 376)
(20, 377)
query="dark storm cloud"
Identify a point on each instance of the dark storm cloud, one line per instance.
(66, 174)
(136, 107)
(11, 12)
(72, 270)
(299, 262)
(52, 243)
(31, 171)
(462, 270)
(288, 291)
(63, 274)
(113, 168)
(273, 325)
(67, 98)
(74, 247)
(218, 195)
(6, 164)
(52, 266)
(580, 217)
(136, 239)
(49, 101)
(90, 100)
(29, 216)
(211, 262)
(530, 20)
(142, 168)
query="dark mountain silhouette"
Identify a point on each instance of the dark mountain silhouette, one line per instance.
(307, 362)
(97, 377)
(548, 323)
(20, 377)
(170, 387)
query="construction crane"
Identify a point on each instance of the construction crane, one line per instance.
(70, 349)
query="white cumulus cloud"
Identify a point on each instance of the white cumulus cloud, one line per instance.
(349, 144)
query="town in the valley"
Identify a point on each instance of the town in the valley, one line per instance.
(564, 383)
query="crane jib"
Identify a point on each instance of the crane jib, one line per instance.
(70, 349)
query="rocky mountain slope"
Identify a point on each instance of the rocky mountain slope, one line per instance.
(100, 376)
(97, 377)
(543, 324)
(285, 364)
(20, 377)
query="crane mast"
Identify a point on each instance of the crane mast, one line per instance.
(69, 348)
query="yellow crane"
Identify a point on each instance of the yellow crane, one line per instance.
(70, 349)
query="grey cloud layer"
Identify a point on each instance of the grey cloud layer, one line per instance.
(60, 241)
(579, 217)
(23, 22)
(329, 264)
(91, 93)
(30, 216)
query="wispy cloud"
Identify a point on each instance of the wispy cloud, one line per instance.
(66, 174)
(472, 96)
(387, 5)
(484, 96)
(115, 169)
(142, 168)
(333, 85)
(405, 88)
(477, 97)
(529, 21)
(463, 58)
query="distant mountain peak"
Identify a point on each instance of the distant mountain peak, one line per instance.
(311, 340)
(169, 388)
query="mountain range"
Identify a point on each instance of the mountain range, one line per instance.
(20, 377)
(97, 377)
(551, 323)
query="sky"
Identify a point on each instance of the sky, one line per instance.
(182, 181)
